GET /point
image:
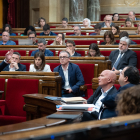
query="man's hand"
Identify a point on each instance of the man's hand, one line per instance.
(85, 102)
(107, 24)
(116, 71)
(15, 65)
(9, 55)
(69, 50)
(69, 90)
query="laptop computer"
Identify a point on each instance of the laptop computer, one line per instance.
(25, 42)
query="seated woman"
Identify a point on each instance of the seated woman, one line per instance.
(94, 51)
(138, 29)
(129, 22)
(8, 28)
(59, 40)
(86, 23)
(129, 101)
(39, 63)
(41, 22)
(27, 30)
(115, 30)
(115, 17)
(109, 39)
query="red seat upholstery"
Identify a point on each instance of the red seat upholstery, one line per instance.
(84, 42)
(2, 85)
(53, 65)
(16, 41)
(117, 86)
(105, 53)
(70, 33)
(22, 52)
(50, 42)
(138, 59)
(27, 66)
(137, 41)
(50, 50)
(14, 102)
(52, 26)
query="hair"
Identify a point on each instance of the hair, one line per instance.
(133, 74)
(17, 53)
(129, 19)
(78, 26)
(94, 46)
(65, 19)
(89, 22)
(123, 33)
(114, 15)
(46, 27)
(32, 32)
(132, 12)
(6, 32)
(97, 26)
(42, 56)
(42, 40)
(63, 40)
(118, 29)
(39, 21)
(29, 28)
(7, 25)
(108, 16)
(65, 52)
(71, 41)
(126, 39)
(129, 101)
(111, 36)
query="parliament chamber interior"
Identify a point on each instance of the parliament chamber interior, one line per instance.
(69, 69)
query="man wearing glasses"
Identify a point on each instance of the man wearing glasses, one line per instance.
(71, 74)
(107, 22)
(77, 31)
(32, 36)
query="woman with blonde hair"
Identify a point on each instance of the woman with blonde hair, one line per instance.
(129, 22)
(59, 40)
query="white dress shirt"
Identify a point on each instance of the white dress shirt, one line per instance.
(12, 69)
(67, 85)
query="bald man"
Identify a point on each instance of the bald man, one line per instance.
(131, 15)
(106, 87)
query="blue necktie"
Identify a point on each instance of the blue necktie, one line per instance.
(117, 62)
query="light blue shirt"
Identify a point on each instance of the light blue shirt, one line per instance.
(9, 42)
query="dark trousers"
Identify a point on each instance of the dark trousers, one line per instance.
(89, 116)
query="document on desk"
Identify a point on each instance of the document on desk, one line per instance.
(76, 107)
(73, 100)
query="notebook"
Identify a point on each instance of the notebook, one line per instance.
(63, 116)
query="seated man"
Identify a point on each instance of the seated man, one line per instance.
(70, 47)
(131, 15)
(128, 77)
(8, 56)
(64, 24)
(5, 39)
(106, 87)
(124, 33)
(32, 36)
(42, 47)
(107, 21)
(97, 29)
(71, 74)
(15, 63)
(77, 31)
(123, 57)
(46, 31)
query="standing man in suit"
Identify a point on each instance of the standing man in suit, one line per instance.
(123, 57)
(128, 77)
(70, 47)
(8, 56)
(107, 22)
(71, 74)
(106, 87)
(131, 15)
(77, 30)
(15, 63)
(42, 47)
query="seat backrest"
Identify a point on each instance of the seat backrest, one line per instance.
(84, 42)
(22, 52)
(16, 41)
(27, 66)
(50, 42)
(117, 86)
(16, 88)
(81, 52)
(53, 65)
(105, 53)
(138, 59)
(2, 86)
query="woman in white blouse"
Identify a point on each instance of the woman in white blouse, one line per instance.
(39, 63)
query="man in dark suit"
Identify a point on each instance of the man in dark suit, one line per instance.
(131, 15)
(106, 87)
(70, 47)
(42, 47)
(107, 22)
(77, 31)
(8, 56)
(128, 77)
(71, 74)
(123, 57)
(15, 63)
(46, 31)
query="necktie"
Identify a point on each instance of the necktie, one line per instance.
(117, 62)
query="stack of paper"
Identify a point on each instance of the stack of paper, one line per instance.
(73, 100)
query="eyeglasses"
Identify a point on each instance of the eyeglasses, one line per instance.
(76, 30)
(31, 37)
(107, 20)
(63, 57)
(69, 46)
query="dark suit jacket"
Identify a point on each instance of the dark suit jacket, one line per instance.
(103, 24)
(21, 67)
(76, 54)
(51, 34)
(132, 42)
(115, 43)
(93, 99)
(2, 65)
(93, 34)
(129, 58)
(110, 102)
(74, 75)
